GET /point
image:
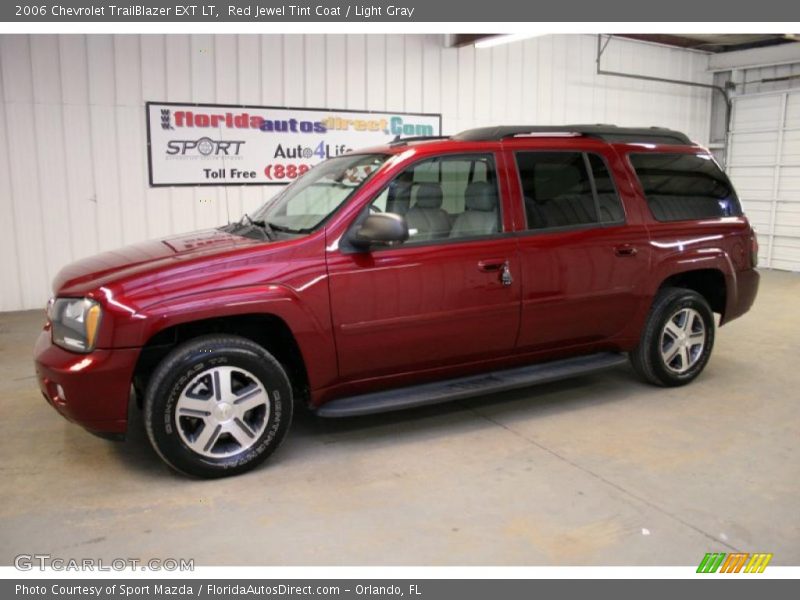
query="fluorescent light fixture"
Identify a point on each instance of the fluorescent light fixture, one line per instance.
(497, 40)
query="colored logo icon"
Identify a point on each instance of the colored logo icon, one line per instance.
(737, 562)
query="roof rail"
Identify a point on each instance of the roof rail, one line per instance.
(402, 141)
(607, 133)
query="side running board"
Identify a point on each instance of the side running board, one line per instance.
(472, 385)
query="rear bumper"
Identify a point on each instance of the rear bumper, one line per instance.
(92, 389)
(744, 295)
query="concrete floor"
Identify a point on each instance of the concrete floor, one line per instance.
(600, 470)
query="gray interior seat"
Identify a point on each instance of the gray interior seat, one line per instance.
(569, 209)
(573, 209)
(534, 214)
(610, 208)
(400, 200)
(427, 215)
(480, 216)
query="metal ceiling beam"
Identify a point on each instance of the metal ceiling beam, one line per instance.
(755, 57)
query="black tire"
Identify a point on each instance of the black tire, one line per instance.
(647, 358)
(193, 359)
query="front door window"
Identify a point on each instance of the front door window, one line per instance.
(445, 198)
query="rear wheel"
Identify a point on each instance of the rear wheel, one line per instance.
(217, 406)
(677, 339)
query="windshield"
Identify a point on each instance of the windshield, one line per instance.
(309, 201)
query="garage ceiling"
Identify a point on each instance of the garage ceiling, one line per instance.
(707, 42)
(717, 42)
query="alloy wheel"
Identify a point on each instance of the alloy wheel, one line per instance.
(222, 412)
(683, 339)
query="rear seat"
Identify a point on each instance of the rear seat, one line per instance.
(568, 210)
(572, 209)
(683, 208)
(610, 208)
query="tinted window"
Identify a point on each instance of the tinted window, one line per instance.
(313, 197)
(682, 187)
(607, 199)
(563, 189)
(445, 197)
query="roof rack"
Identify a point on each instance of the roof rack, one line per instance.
(402, 141)
(607, 133)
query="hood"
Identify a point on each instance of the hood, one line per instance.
(100, 269)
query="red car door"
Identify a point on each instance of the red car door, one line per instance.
(584, 255)
(446, 296)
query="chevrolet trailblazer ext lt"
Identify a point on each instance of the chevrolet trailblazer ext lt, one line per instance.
(421, 271)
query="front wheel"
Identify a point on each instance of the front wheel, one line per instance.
(217, 405)
(677, 339)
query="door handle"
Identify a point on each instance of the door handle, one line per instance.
(491, 264)
(625, 250)
(497, 265)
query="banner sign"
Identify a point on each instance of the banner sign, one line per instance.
(220, 144)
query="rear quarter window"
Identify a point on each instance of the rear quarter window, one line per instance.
(685, 187)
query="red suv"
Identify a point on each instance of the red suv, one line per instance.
(421, 271)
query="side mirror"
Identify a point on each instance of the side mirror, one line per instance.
(380, 230)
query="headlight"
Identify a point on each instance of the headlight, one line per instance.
(75, 323)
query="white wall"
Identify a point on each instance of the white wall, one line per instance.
(751, 81)
(764, 159)
(73, 174)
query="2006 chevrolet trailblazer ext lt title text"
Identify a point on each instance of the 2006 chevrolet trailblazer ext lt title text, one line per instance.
(421, 271)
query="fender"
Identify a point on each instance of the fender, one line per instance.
(694, 260)
(675, 262)
(307, 318)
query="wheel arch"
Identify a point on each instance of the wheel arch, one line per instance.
(709, 272)
(709, 283)
(268, 330)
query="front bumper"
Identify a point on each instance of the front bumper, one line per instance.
(92, 389)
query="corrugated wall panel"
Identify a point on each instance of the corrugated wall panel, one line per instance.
(753, 79)
(152, 52)
(763, 150)
(448, 82)
(73, 170)
(11, 290)
(24, 177)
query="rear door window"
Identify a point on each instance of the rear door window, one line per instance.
(567, 189)
(685, 187)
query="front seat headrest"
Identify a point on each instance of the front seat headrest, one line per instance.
(429, 195)
(480, 195)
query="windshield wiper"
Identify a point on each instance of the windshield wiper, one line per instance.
(265, 227)
(284, 229)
